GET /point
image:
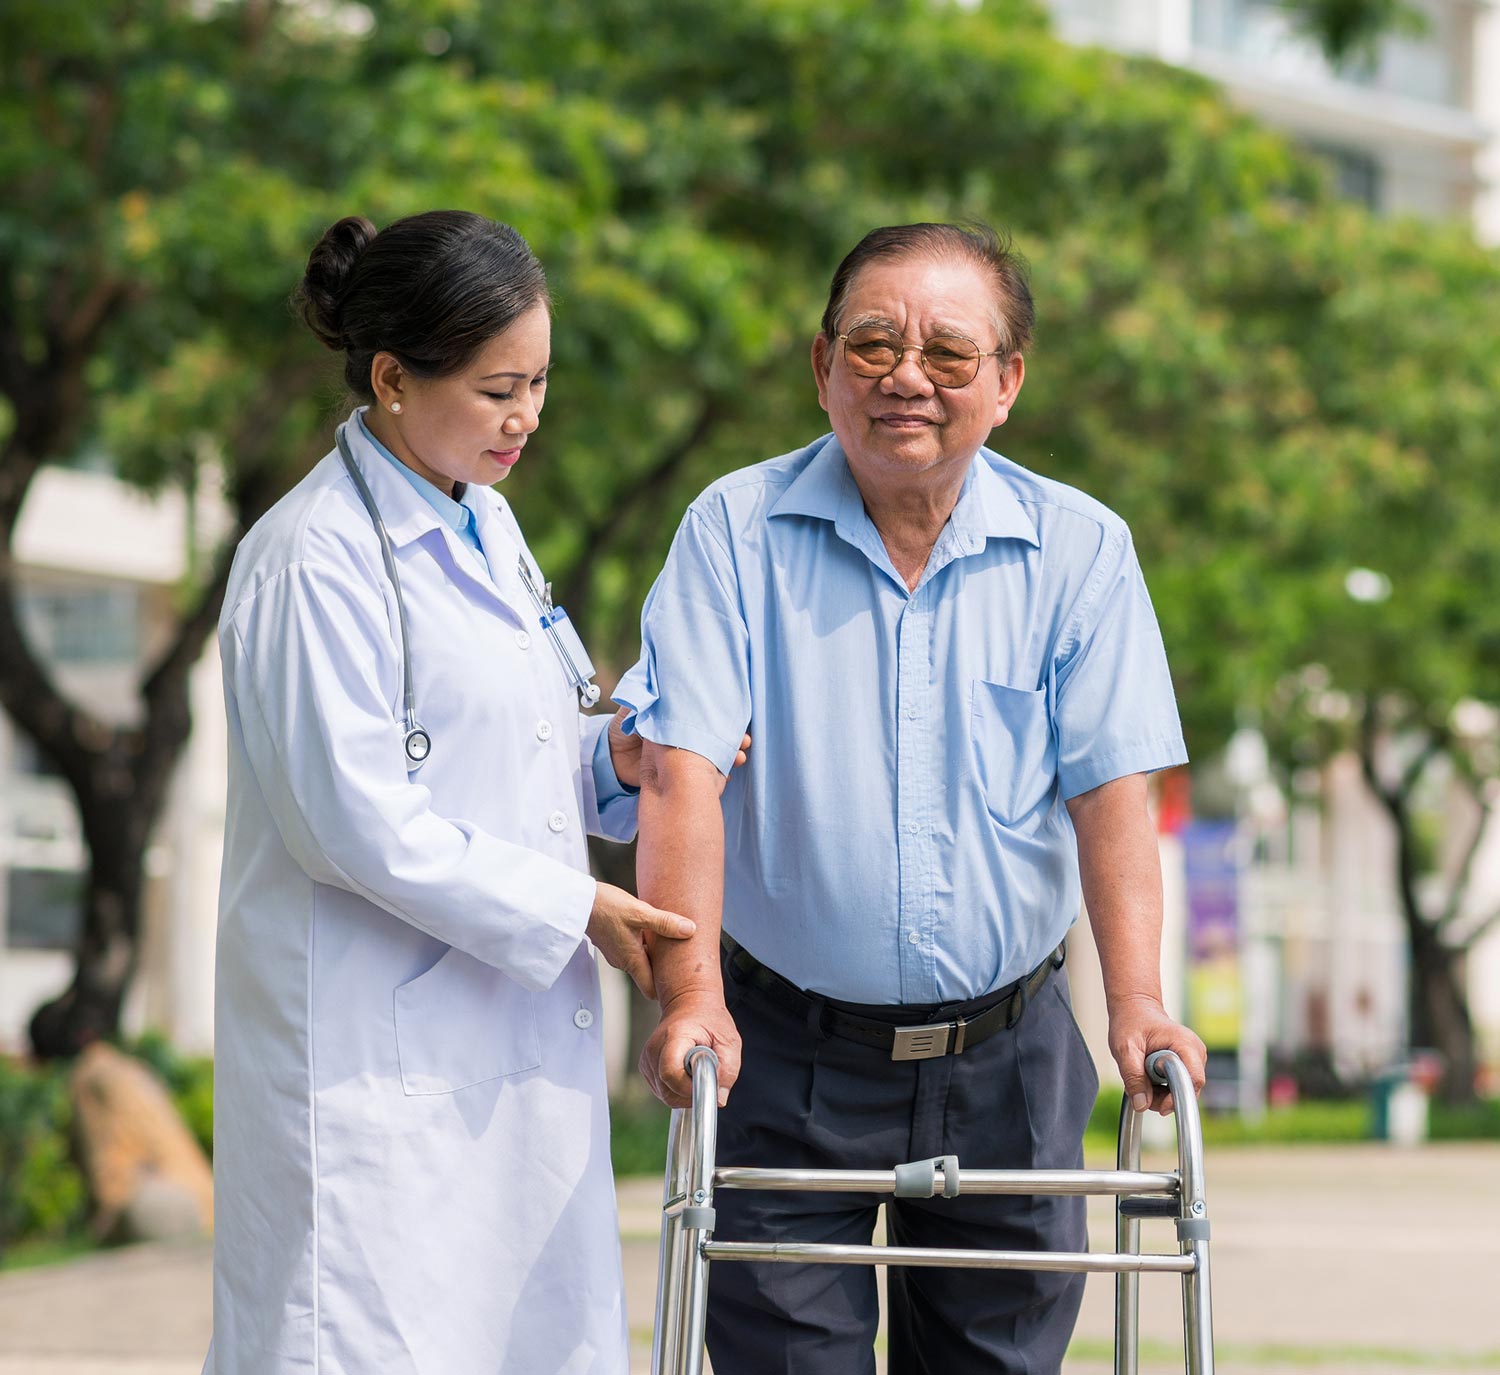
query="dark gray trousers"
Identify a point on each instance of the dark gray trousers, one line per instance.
(1019, 1100)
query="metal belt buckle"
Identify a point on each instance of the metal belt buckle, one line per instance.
(921, 1042)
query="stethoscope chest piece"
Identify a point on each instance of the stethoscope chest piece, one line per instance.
(418, 746)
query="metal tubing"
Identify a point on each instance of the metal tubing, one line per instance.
(1128, 1242)
(687, 1250)
(820, 1253)
(1197, 1310)
(672, 1259)
(970, 1181)
(703, 1069)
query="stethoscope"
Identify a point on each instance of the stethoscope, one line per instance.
(416, 742)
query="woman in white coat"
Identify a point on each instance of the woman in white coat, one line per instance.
(411, 1135)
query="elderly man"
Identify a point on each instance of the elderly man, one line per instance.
(959, 688)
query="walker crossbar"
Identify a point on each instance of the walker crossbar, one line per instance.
(688, 1221)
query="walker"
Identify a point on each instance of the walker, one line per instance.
(687, 1244)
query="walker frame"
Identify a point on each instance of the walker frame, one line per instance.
(687, 1244)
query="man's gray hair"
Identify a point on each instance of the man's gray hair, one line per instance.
(973, 242)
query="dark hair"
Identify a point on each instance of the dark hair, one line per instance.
(431, 289)
(972, 242)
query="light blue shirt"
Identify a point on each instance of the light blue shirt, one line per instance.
(459, 518)
(899, 834)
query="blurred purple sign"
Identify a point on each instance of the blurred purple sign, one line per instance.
(1213, 931)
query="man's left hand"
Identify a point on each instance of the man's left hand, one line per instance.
(1138, 1026)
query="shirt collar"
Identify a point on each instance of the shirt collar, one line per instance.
(987, 507)
(455, 515)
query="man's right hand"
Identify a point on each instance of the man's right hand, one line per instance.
(618, 926)
(692, 1019)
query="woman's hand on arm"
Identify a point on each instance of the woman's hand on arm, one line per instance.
(619, 927)
(625, 750)
(1120, 865)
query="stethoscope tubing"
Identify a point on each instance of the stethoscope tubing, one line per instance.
(416, 742)
(408, 691)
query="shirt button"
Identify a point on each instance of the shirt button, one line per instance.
(523, 639)
(557, 822)
(544, 730)
(914, 939)
(913, 827)
(583, 1019)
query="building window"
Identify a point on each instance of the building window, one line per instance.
(1426, 66)
(97, 625)
(43, 908)
(1357, 175)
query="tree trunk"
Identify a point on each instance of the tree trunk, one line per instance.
(1437, 995)
(1440, 1016)
(118, 815)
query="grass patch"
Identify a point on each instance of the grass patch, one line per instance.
(24, 1255)
(1256, 1355)
(638, 1135)
(1313, 1123)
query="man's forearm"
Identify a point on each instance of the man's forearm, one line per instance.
(1120, 864)
(680, 866)
(1120, 867)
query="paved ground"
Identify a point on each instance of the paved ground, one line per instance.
(1339, 1261)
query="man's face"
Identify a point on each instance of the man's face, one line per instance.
(903, 426)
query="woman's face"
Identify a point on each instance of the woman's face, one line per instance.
(472, 425)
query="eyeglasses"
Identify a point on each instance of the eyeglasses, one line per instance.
(949, 360)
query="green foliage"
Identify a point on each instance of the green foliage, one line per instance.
(638, 1135)
(1311, 1122)
(42, 1194)
(1272, 388)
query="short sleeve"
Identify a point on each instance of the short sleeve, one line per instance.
(610, 806)
(691, 687)
(1115, 712)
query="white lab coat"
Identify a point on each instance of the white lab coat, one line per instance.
(411, 1136)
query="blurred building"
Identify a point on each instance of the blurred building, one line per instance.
(100, 568)
(1414, 130)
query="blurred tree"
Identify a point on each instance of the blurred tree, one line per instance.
(690, 171)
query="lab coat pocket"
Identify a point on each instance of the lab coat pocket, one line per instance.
(1014, 754)
(463, 1022)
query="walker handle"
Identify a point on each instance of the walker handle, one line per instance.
(696, 1053)
(1154, 1070)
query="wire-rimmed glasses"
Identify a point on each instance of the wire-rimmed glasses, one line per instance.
(949, 360)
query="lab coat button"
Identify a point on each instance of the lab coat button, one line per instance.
(557, 822)
(583, 1019)
(523, 638)
(544, 730)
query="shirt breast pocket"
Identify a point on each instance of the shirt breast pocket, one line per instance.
(1014, 753)
(463, 1022)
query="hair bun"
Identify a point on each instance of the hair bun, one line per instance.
(320, 296)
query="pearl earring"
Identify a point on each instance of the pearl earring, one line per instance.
(395, 408)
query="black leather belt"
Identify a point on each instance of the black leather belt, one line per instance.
(918, 1033)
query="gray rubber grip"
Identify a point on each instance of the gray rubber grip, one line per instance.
(918, 1178)
(1152, 1061)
